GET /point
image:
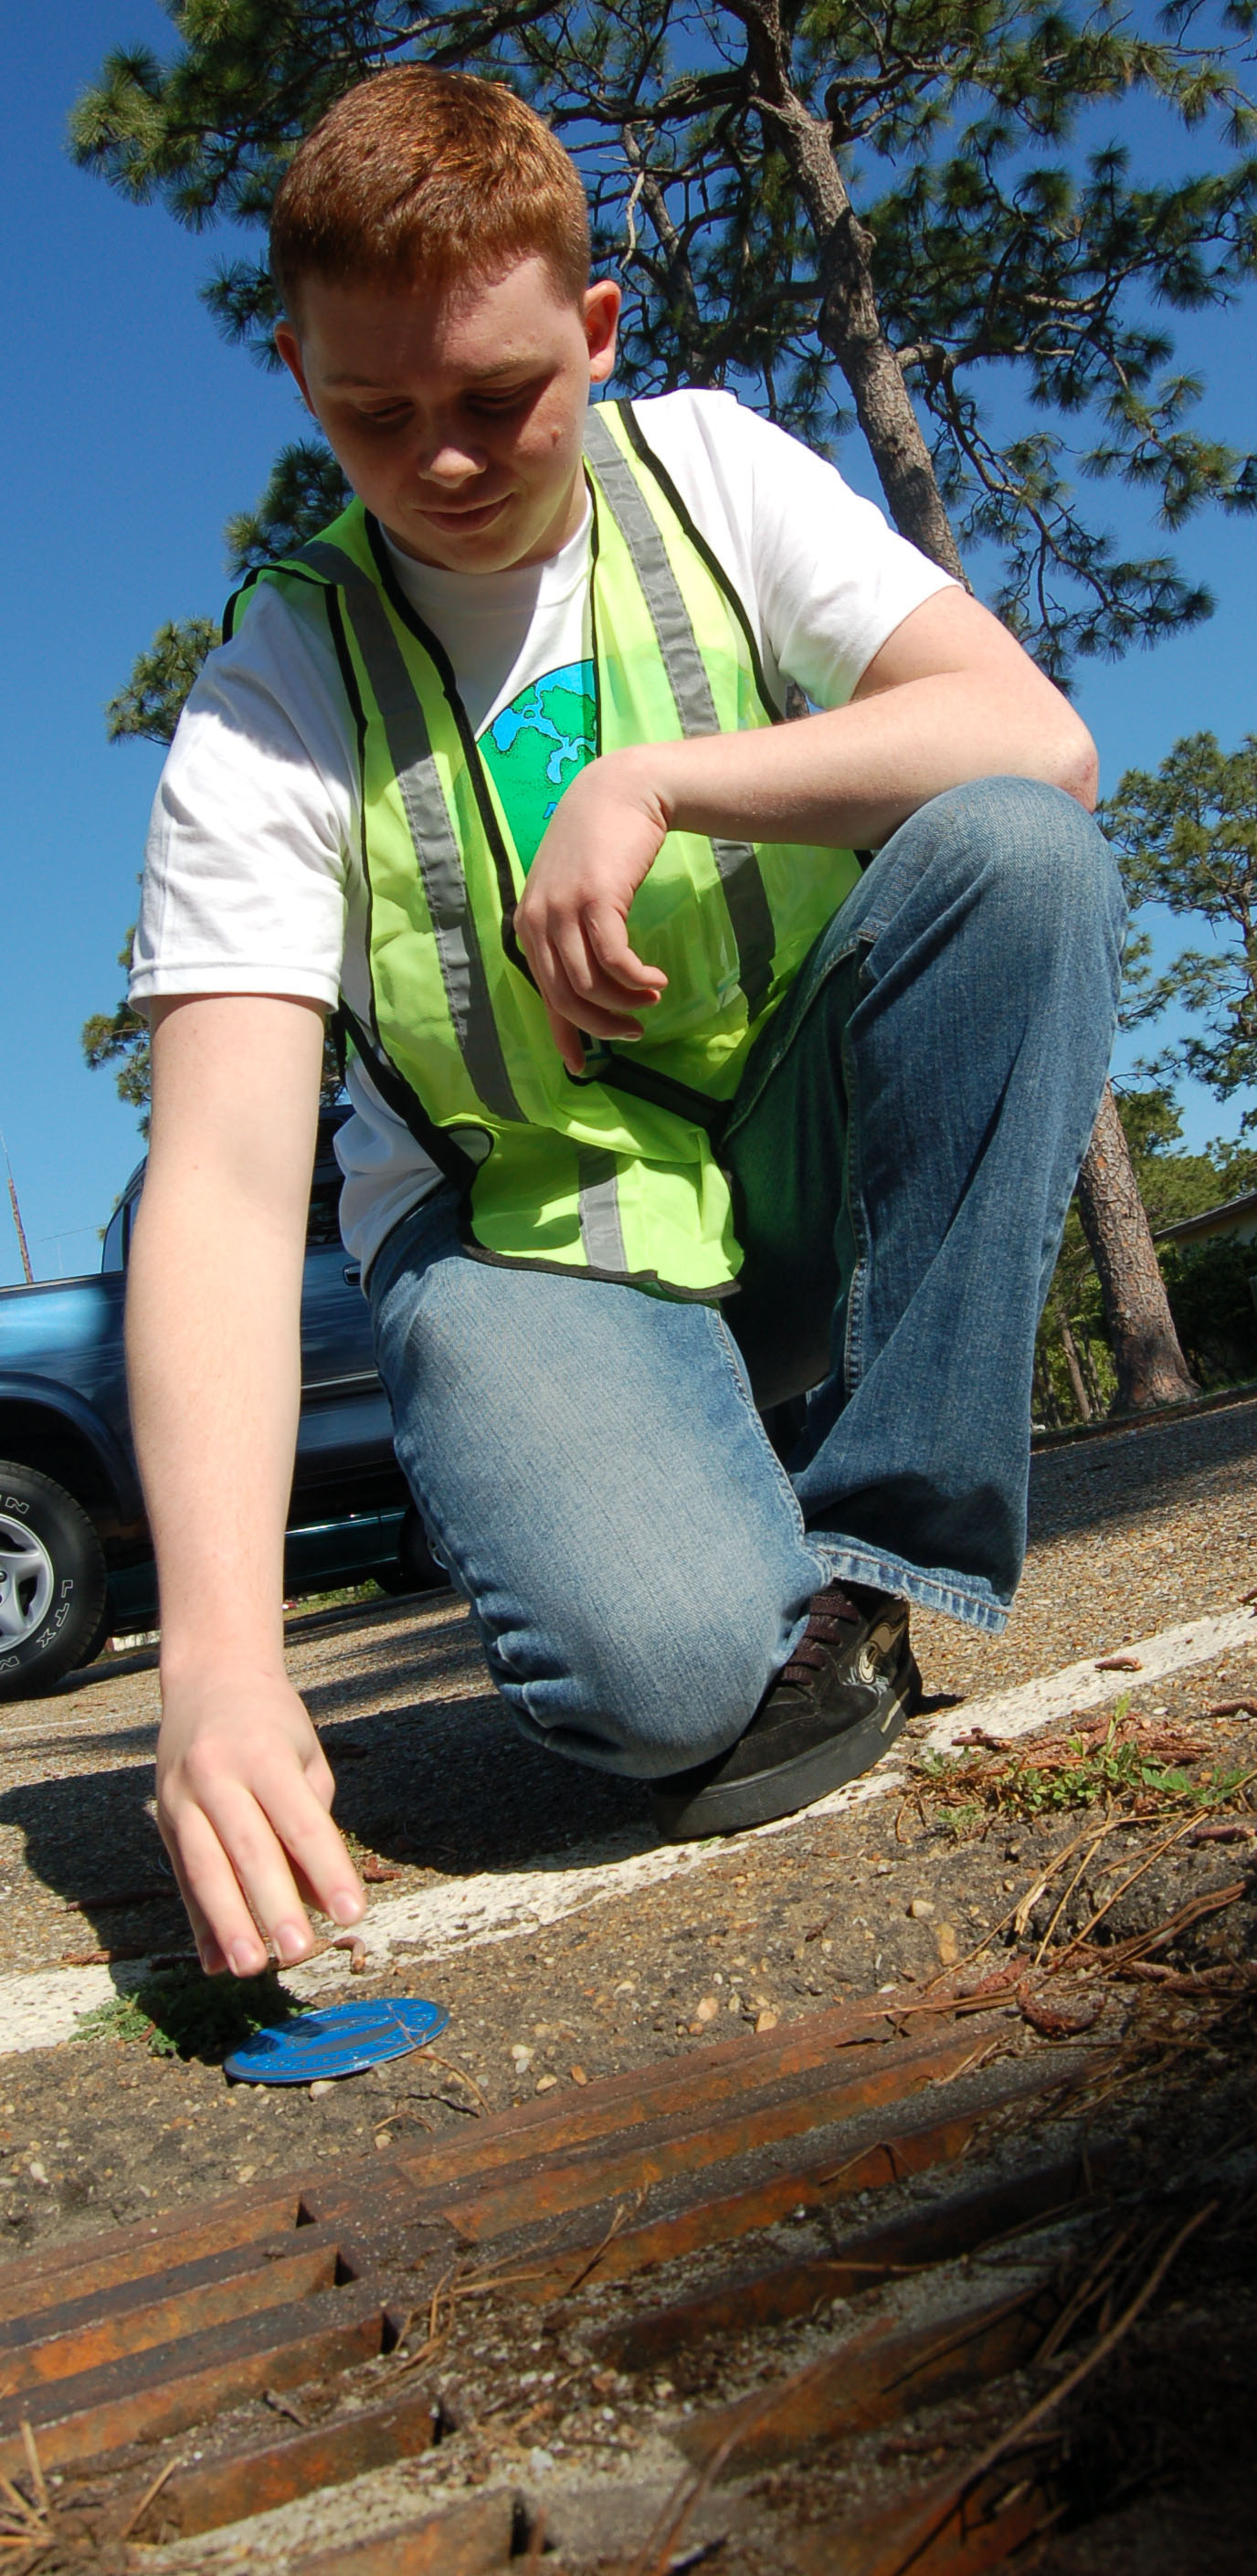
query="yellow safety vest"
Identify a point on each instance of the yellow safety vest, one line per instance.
(613, 1173)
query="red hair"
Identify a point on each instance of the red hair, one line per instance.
(421, 174)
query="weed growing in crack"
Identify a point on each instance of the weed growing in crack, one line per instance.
(1144, 1770)
(182, 2013)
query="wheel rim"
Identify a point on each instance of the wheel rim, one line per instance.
(27, 1582)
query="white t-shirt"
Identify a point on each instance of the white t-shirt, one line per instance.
(253, 881)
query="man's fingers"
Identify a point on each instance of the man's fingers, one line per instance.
(611, 1015)
(211, 1891)
(249, 1856)
(585, 959)
(568, 1041)
(260, 1824)
(318, 1856)
(606, 936)
(593, 960)
(209, 1950)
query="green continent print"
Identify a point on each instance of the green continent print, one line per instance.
(535, 747)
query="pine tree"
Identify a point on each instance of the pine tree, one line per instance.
(1187, 838)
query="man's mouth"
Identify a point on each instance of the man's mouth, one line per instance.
(466, 520)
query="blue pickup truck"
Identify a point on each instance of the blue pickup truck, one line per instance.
(76, 1562)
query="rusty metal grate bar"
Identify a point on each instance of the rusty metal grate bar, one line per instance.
(825, 2171)
(873, 2376)
(88, 2333)
(952, 2527)
(694, 2139)
(176, 2384)
(277, 2472)
(468, 2540)
(955, 2227)
(125, 2254)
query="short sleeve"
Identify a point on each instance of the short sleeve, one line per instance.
(249, 856)
(824, 576)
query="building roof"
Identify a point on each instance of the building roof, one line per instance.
(1216, 1220)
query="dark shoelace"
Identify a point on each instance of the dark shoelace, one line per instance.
(830, 1619)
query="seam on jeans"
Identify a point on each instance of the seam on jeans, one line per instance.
(852, 1369)
(776, 1057)
(729, 1353)
(459, 1578)
(884, 1573)
(857, 1214)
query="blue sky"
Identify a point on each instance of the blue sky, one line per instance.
(130, 432)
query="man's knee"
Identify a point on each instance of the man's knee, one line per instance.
(653, 1687)
(1031, 847)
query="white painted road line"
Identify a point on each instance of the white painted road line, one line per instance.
(1035, 1705)
(39, 2009)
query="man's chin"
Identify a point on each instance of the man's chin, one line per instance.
(475, 541)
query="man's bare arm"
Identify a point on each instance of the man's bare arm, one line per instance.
(949, 698)
(213, 1350)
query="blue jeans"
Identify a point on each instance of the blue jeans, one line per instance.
(589, 1459)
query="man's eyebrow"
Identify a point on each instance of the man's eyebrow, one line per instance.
(471, 376)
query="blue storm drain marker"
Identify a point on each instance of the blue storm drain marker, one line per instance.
(340, 2041)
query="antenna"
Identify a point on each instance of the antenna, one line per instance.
(17, 1215)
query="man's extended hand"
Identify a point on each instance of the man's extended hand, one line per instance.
(244, 1793)
(572, 919)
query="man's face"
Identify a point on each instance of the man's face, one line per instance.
(458, 419)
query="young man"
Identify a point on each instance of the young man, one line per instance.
(670, 1098)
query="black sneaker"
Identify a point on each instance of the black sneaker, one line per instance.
(849, 1688)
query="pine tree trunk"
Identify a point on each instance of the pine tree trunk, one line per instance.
(1070, 1348)
(1048, 1406)
(850, 324)
(1151, 1369)
(1087, 1364)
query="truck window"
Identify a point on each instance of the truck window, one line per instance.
(113, 1254)
(323, 1224)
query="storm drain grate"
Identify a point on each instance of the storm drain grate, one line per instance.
(110, 2348)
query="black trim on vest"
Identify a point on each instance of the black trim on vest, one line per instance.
(229, 613)
(405, 1104)
(647, 1279)
(282, 563)
(444, 669)
(647, 457)
(645, 1082)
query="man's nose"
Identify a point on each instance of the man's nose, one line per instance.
(449, 457)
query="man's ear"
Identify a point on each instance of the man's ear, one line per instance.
(601, 317)
(289, 348)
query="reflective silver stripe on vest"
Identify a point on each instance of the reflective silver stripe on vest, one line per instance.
(600, 1229)
(736, 861)
(435, 848)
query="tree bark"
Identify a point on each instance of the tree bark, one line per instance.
(1087, 1364)
(1151, 1369)
(1072, 1363)
(1045, 1390)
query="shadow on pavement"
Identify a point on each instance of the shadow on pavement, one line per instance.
(442, 1786)
(1135, 1473)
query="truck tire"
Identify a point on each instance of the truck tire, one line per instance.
(415, 1569)
(52, 1582)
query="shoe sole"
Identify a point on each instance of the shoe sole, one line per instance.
(729, 1807)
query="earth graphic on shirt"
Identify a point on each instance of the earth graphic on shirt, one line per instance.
(535, 747)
